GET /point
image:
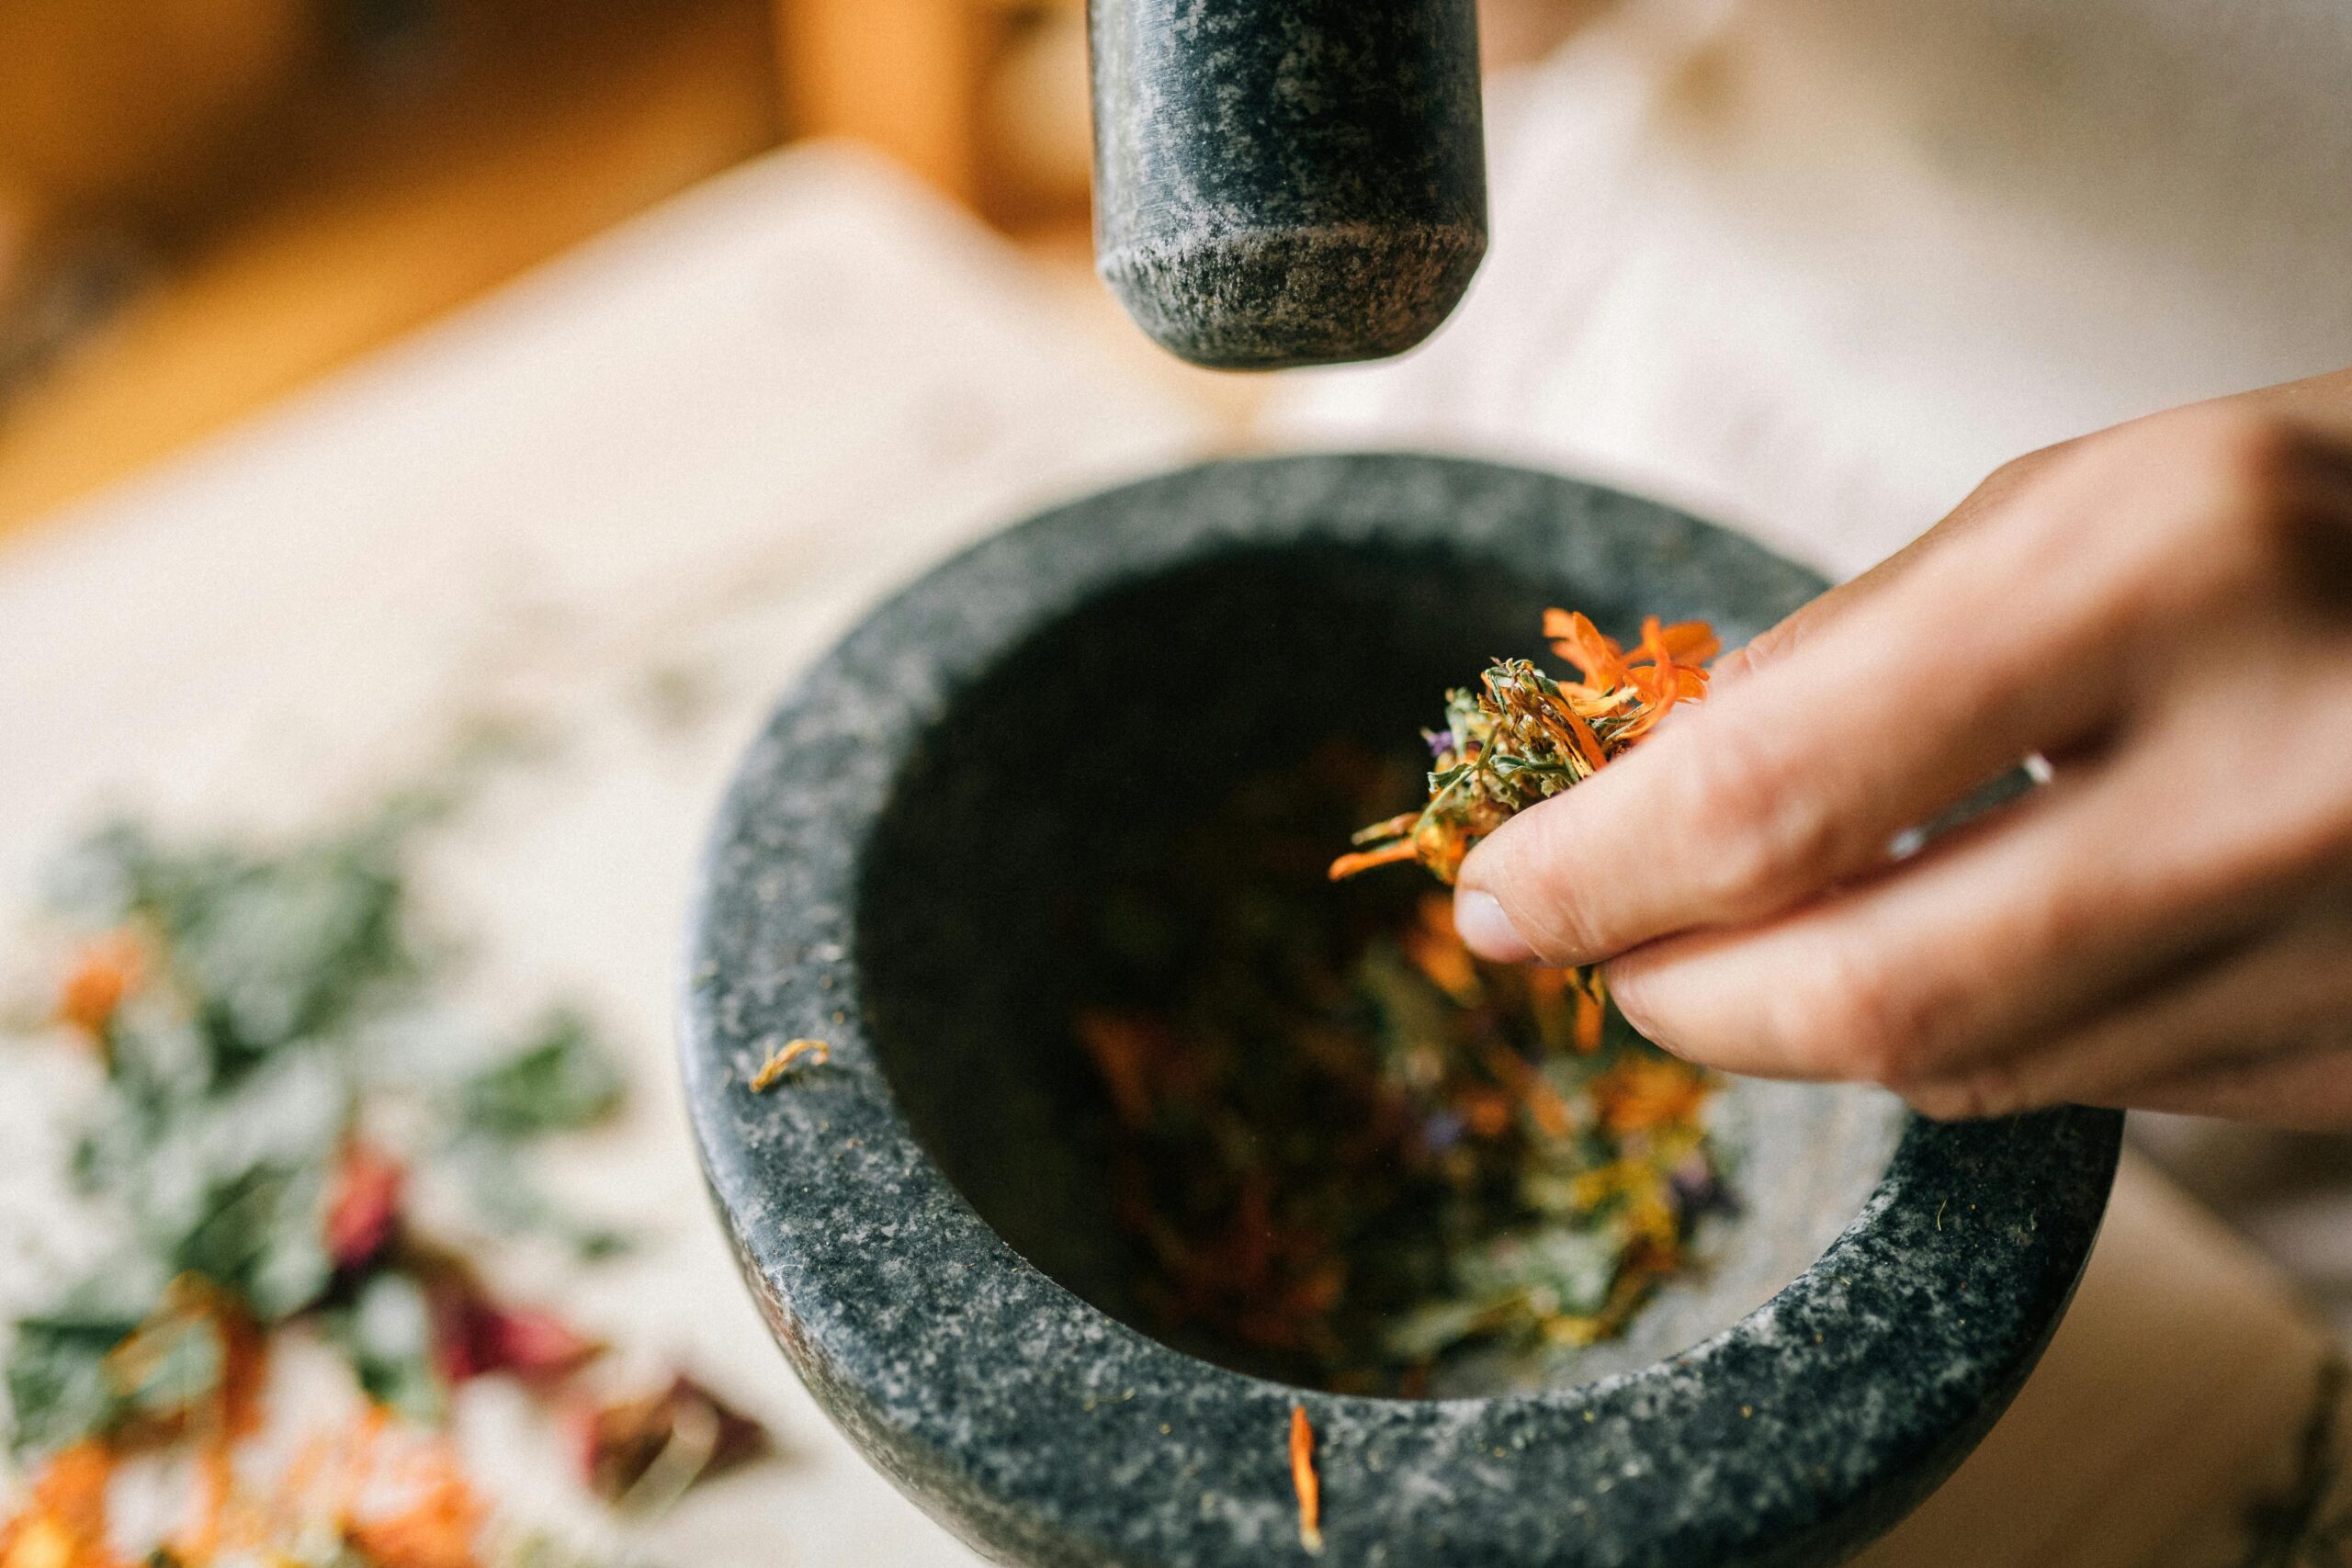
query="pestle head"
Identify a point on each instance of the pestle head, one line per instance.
(1293, 183)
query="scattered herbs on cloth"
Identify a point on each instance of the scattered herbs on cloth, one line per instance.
(278, 1065)
(1346, 1152)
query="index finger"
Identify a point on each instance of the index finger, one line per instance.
(1799, 775)
(1816, 615)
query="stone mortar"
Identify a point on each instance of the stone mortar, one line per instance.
(1883, 1312)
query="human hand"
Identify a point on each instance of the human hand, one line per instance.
(2164, 611)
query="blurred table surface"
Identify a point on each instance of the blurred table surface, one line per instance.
(626, 499)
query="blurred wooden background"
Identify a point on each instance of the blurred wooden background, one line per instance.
(206, 203)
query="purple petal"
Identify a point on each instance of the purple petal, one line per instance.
(1442, 1132)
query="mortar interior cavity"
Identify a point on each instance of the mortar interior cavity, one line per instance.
(1075, 765)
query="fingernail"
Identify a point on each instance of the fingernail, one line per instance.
(1487, 931)
(1630, 1005)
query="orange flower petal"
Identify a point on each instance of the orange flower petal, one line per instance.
(1590, 1014)
(1364, 860)
(1588, 743)
(1305, 1481)
(106, 971)
(1122, 1049)
(1578, 640)
(1691, 642)
(1545, 1106)
(1644, 1092)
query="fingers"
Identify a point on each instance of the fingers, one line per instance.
(2307, 1091)
(1819, 614)
(1909, 978)
(2283, 996)
(1936, 976)
(2044, 625)
(1799, 775)
(2151, 930)
(2318, 403)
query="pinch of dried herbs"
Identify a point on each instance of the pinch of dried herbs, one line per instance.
(1521, 736)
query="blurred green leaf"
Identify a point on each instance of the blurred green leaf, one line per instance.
(388, 1333)
(563, 1080)
(58, 1388)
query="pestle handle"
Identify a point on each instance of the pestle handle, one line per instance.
(1287, 182)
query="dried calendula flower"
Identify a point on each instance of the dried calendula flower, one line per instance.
(108, 970)
(782, 1061)
(1521, 736)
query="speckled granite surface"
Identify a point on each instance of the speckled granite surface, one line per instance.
(1287, 185)
(1047, 1432)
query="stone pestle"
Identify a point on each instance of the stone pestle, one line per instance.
(1287, 182)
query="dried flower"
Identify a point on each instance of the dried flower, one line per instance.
(65, 1525)
(106, 971)
(371, 1496)
(364, 1205)
(196, 1364)
(640, 1454)
(1645, 1091)
(780, 1062)
(1521, 737)
(475, 1336)
(412, 1509)
(1305, 1481)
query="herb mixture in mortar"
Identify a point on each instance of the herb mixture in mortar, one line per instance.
(1346, 1151)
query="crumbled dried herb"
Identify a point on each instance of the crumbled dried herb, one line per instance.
(277, 1062)
(1521, 736)
(782, 1060)
(639, 1454)
(1305, 1481)
(1347, 1152)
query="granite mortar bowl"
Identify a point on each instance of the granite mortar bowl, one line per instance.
(897, 870)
